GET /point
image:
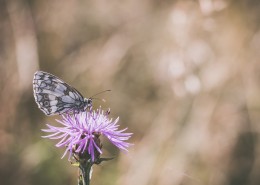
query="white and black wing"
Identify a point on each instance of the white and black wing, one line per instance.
(54, 96)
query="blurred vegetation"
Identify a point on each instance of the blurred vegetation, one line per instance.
(184, 75)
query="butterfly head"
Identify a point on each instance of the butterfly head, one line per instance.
(87, 103)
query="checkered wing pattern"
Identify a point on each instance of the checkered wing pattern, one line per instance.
(54, 96)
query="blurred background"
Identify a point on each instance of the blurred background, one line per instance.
(184, 75)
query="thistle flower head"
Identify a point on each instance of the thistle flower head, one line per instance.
(80, 133)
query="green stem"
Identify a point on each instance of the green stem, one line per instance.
(85, 169)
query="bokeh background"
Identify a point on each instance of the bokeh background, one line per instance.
(184, 75)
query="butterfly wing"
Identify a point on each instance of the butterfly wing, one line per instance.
(54, 96)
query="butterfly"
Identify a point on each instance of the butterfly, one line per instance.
(54, 96)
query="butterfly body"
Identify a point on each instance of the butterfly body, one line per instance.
(54, 96)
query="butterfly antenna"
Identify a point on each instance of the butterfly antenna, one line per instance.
(99, 93)
(103, 100)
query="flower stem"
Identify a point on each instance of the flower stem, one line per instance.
(85, 170)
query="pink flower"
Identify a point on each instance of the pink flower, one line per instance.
(80, 133)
